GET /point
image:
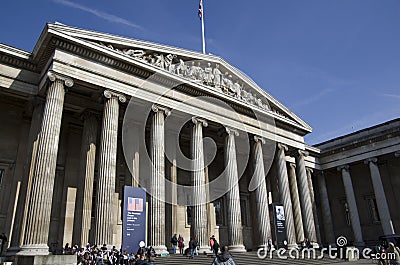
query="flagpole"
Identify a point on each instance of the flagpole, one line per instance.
(202, 28)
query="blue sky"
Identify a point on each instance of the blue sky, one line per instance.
(336, 64)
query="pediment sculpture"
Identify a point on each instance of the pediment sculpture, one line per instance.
(206, 73)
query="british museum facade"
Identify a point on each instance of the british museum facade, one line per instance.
(86, 114)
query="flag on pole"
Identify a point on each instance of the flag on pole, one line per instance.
(201, 9)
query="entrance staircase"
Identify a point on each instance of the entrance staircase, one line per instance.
(249, 258)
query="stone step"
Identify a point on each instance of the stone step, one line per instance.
(249, 258)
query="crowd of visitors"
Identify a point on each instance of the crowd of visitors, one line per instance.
(100, 255)
(95, 255)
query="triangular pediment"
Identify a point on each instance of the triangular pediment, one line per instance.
(209, 71)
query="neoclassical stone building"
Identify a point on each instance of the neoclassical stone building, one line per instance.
(85, 114)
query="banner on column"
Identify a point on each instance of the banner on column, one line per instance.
(279, 225)
(134, 223)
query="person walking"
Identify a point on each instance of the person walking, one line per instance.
(212, 243)
(192, 247)
(216, 247)
(174, 242)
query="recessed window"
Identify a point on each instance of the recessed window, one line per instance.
(346, 212)
(373, 210)
(219, 212)
(1, 176)
(189, 212)
(189, 215)
(243, 211)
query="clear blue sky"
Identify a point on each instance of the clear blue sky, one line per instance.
(335, 63)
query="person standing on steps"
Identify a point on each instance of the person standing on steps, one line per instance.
(192, 247)
(181, 244)
(174, 242)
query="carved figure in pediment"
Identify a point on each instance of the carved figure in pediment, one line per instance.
(245, 96)
(208, 76)
(199, 72)
(168, 63)
(259, 103)
(134, 53)
(250, 98)
(192, 71)
(182, 68)
(227, 83)
(159, 61)
(238, 89)
(217, 76)
(150, 59)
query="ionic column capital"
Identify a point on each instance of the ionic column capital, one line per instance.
(231, 131)
(68, 82)
(111, 94)
(282, 146)
(292, 165)
(343, 167)
(197, 120)
(309, 170)
(397, 154)
(301, 153)
(157, 108)
(371, 160)
(259, 139)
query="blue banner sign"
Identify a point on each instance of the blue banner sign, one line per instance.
(134, 223)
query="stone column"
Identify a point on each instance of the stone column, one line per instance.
(351, 200)
(199, 209)
(17, 237)
(294, 192)
(380, 196)
(157, 181)
(305, 198)
(284, 193)
(85, 189)
(264, 226)
(38, 219)
(314, 205)
(104, 225)
(235, 234)
(326, 210)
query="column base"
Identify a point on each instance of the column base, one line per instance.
(237, 248)
(315, 245)
(161, 250)
(205, 250)
(12, 251)
(34, 250)
(292, 246)
(45, 260)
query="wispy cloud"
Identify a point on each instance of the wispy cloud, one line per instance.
(100, 14)
(313, 98)
(392, 96)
